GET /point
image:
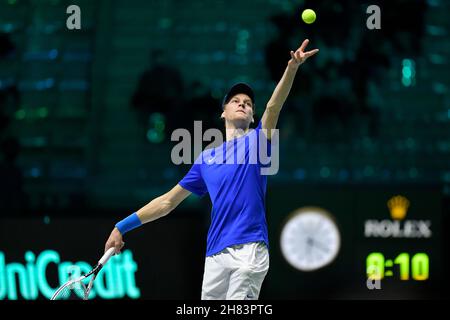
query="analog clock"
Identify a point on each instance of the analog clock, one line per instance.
(310, 239)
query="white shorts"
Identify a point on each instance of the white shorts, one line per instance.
(236, 273)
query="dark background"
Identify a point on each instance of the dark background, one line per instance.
(86, 117)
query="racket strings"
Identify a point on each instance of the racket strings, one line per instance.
(74, 291)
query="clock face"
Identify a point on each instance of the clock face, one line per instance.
(310, 239)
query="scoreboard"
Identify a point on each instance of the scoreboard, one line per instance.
(389, 242)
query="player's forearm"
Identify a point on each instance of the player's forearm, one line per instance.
(155, 209)
(282, 89)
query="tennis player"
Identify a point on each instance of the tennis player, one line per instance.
(237, 256)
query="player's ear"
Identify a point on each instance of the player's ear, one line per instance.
(222, 116)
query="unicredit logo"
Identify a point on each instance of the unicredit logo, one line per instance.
(28, 280)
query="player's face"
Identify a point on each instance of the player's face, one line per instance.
(239, 108)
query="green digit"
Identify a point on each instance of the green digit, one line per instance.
(375, 266)
(420, 266)
(403, 260)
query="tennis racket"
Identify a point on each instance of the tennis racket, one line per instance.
(75, 289)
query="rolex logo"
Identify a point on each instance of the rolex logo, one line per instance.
(397, 227)
(398, 206)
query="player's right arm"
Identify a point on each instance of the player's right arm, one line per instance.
(155, 209)
(161, 206)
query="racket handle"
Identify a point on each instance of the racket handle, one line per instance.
(108, 254)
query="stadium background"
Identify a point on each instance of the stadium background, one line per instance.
(86, 117)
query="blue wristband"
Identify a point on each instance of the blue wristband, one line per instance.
(129, 223)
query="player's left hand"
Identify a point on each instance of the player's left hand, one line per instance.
(299, 56)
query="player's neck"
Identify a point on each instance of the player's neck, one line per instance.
(235, 130)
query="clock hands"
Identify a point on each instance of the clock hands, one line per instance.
(314, 243)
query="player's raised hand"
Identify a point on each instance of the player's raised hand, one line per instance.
(299, 56)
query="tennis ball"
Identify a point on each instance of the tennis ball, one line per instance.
(309, 16)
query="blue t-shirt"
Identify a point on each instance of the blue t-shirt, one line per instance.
(231, 174)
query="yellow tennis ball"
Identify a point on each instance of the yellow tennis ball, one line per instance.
(309, 16)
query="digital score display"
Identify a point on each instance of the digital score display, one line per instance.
(400, 243)
(404, 266)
